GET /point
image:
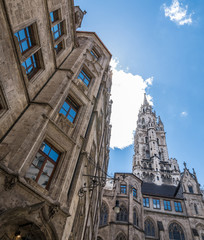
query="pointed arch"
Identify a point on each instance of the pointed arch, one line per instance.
(123, 214)
(121, 236)
(176, 232)
(104, 213)
(149, 228)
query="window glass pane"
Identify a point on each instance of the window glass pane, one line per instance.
(86, 82)
(72, 113)
(70, 118)
(52, 17)
(39, 160)
(53, 155)
(63, 111)
(22, 34)
(46, 148)
(43, 180)
(24, 45)
(28, 62)
(66, 106)
(48, 168)
(32, 172)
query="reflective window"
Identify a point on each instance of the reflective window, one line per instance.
(134, 192)
(167, 205)
(57, 30)
(69, 109)
(145, 202)
(25, 38)
(84, 77)
(178, 207)
(31, 65)
(156, 203)
(42, 167)
(54, 16)
(123, 189)
(32, 61)
(58, 47)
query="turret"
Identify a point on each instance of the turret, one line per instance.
(151, 161)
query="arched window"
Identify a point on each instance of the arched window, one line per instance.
(135, 218)
(176, 232)
(103, 215)
(149, 228)
(122, 215)
(121, 236)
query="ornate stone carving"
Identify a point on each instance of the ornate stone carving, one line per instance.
(78, 16)
(53, 210)
(9, 182)
(63, 123)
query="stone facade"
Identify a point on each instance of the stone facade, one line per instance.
(54, 121)
(152, 208)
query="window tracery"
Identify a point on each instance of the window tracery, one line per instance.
(176, 232)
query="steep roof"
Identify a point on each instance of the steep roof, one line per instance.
(161, 190)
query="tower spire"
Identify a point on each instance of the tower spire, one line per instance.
(145, 102)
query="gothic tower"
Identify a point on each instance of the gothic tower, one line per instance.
(151, 162)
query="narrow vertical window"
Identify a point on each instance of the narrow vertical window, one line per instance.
(156, 203)
(167, 205)
(43, 166)
(190, 188)
(146, 202)
(178, 207)
(94, 54)
(123, 189)
(134, 192)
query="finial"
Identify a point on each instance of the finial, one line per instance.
(145, 100)
(184, 163)
(194, 171)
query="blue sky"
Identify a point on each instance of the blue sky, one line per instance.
(157, 47)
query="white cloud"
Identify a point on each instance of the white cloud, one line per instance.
(127, 95)
(178, 13)
(183, 114)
